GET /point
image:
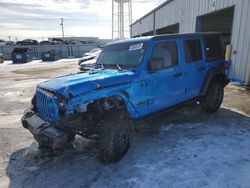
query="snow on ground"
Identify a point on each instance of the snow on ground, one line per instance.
(184, 148)
(195, 150)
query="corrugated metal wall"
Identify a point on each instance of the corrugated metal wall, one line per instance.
(147, 24)
(170, 12)
(185, 13)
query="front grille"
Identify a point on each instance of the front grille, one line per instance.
(44, 104)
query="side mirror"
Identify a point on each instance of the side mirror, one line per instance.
(228, 52)
(156, 63)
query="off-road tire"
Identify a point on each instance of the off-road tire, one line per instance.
(114, 136)
(212, 101)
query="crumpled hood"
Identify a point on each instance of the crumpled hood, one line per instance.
(75, 84)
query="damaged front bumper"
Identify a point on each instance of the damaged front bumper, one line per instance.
(43, 132)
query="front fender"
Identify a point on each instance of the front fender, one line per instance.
(79, 104)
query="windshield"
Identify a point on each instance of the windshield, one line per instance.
(124, 55)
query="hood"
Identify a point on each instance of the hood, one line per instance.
(87, 54)
(88, 62)
(80, 83)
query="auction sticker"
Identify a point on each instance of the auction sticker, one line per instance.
(136, 47)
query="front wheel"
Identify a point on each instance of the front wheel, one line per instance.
(214, 97)
(114, 136)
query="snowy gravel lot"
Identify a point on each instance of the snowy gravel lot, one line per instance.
(184, 148)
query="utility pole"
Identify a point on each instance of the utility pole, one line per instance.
(62, 27)
(112, 20)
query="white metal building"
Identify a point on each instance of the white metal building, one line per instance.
(230, 17)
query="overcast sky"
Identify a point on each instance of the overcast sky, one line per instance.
(41, 18)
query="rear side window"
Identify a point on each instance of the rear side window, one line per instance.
(167, 52)
(193, 51)
(213, 48)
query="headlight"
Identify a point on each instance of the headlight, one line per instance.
(1, 54)
(62, 107)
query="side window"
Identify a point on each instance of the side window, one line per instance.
(167, 53)
(193, 50)
(213, 48)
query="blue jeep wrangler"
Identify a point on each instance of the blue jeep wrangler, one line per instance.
(132, 79)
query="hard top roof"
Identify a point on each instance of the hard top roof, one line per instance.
(165, 36)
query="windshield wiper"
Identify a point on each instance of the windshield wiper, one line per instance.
(119, 68)
(102, 66)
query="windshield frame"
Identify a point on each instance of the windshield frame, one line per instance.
(125, 66)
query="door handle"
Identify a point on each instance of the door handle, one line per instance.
(178, 74)
(201, 69)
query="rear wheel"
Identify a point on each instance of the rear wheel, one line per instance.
(214, 97)
(115, 134)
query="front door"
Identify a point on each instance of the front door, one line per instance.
(165, 86)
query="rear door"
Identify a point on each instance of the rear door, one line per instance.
(166, 87)
(195, 66)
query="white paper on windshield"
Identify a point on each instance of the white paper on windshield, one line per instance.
(136, 47)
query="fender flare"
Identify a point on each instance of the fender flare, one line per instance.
(123, 96)
(216, 73)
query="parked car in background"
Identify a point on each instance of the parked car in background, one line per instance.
(89, 64)
(10, 43)
(27, 42)
(57, 41)
(46, 42)
(1, 57)
(21, 55)
(136, 79)
(83, 42)
(50, 55)
(90, 55)
(72, 42)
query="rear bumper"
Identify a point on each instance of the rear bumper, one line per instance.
(43, 132)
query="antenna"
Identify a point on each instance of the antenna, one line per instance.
(121, 18)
